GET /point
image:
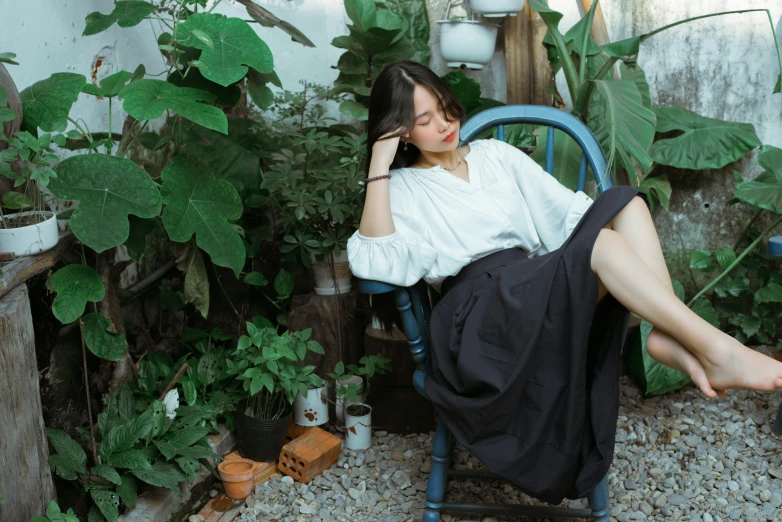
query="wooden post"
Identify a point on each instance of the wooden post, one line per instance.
(26, 481)
(528, 71)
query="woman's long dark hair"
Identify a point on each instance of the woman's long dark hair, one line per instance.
(391, 106)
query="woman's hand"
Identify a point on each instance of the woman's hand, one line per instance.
(384, 149)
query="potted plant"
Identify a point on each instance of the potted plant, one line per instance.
(313, 181)
(466, 41)
(30, 227)
(497, 8)
(357, 413)
(272, 370)
(311, 408)
(348, 389)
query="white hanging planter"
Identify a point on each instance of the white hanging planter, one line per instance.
(467, 42)
(324, 283)
(31, 239)
(358, 426)
(497, 8)
(342, 402)
(312, 409)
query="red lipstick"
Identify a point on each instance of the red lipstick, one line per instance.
(450, 137)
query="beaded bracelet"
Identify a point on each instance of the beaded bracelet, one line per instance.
(370, 180)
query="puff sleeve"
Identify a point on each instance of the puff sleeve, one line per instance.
(401, 258)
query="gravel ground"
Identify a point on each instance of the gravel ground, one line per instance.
(678, 457)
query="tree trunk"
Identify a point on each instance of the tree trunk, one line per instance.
(26, 481)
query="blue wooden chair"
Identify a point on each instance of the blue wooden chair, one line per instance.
(415, 309)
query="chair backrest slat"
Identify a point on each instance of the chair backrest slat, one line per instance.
(501, 132)
(550, 151)
(582, 172)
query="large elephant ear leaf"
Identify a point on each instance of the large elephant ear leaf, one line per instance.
(108, 189)
(228, 46)
(765, 191)
(197, 203)
(704, 143)
(148, 99)
(126, 13)
(47, 103)
(74, 285)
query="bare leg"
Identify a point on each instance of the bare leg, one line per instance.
(634, 223)
(728, 363)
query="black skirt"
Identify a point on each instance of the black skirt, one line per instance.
(524, 365)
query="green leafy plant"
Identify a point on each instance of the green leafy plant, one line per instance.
(380, 33)
(367, 367)
(209, 383)
(317, 191)
(158, 445)
(283, 286)
(271, 368)
(618, 110)
(53, 514)
(37, 158)
(120, 203)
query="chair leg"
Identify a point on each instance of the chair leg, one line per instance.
(598, 501)
(435, 488)
(778, 422)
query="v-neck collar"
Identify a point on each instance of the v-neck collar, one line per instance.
(473, 173)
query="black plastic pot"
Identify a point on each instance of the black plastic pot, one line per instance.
(260, 439)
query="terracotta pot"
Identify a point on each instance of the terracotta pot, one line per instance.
(238, 476)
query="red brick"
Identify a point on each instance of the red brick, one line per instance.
(305, 457)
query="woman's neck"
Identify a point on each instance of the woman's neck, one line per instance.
(449, 159)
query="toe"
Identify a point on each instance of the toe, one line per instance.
(705, 387)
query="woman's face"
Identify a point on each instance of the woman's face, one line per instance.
(431, 132)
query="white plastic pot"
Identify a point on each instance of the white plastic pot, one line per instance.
(497, 8)
(312, 409)
(32, 239)
(324, 283)
(343, 402)
(467, 42)
(358, 429)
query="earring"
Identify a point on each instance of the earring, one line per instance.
(405, 146)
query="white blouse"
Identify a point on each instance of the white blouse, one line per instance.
(443, 223)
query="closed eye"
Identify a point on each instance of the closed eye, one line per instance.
(425, 123)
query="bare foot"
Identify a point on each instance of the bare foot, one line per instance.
(665, 349)
(730, 364)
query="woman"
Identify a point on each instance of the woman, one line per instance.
(537, 282)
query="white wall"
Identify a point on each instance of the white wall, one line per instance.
(722, 67)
